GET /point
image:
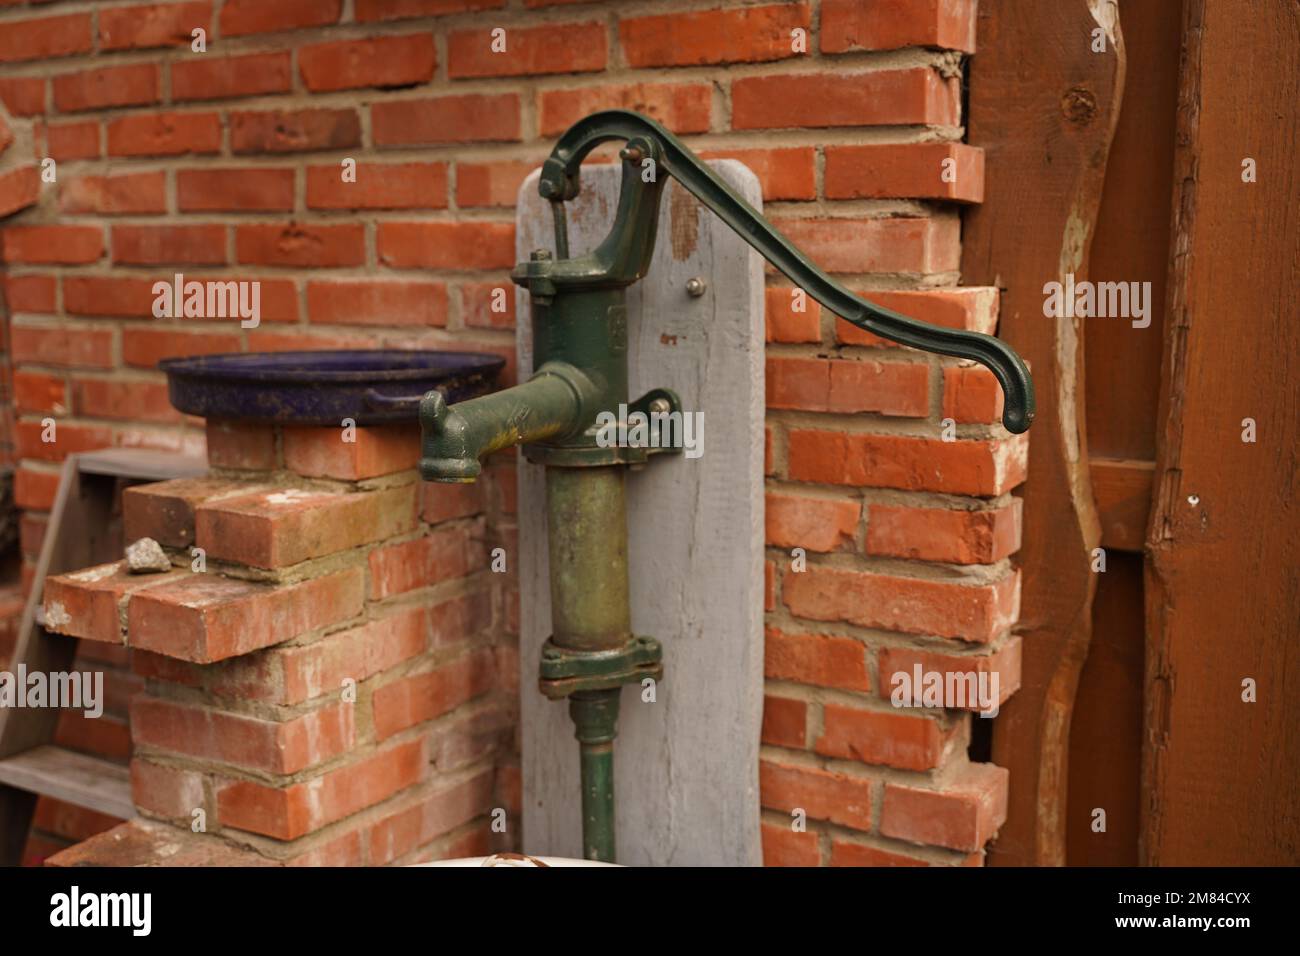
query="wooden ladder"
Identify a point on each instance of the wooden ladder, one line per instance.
(84, 529)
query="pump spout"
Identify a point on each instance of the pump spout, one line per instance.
(559, 400)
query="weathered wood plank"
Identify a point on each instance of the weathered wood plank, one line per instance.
(1045, 122)
(72, 777)
(686, 766)
(1221, 775)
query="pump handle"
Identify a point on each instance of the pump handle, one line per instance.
(559, 182)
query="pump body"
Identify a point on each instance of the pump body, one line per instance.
(579, 324)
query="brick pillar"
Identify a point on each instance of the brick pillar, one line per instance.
(327, 673)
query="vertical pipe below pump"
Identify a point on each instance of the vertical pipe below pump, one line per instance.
(586, 510)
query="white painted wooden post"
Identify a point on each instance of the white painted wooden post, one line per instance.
(686, 764)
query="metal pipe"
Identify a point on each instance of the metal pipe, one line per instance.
(556, 401)
(586, 510)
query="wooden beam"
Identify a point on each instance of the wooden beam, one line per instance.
(1122, 489)
(72, 777)
(1221, 765)
(1043, 105)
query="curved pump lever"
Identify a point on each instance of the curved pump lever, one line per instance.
(559, 182)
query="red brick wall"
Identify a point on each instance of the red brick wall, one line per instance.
(226, 163)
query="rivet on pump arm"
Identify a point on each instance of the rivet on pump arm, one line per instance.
(579, 318)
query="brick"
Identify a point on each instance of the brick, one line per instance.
(23, 95)
(974, 309)
(19, 188)
(166, 791)
(1004, 661)
(849, 853)
(281, 527)
(487, 305)
(291, 675)
(681, 107)
(374, 61)
(746, 35)
(126, 399)
(371, 10)
(69, 141)
(146, 26)
(42, 38)
(115, 195)
(378, 450)
(293, 131)
(61, 244)
(204, 617)
(65, 347)
(34, 488)
(446, 502)
(146, 843)
(69, 437)
(68, 821)
(964, 815)
(150, 666)
(430, 816)
(30, 293)
(387, 303)
(209, 77)
(441, 555)
(164, 134)
(899, 244)
(154, 245)
(873, 737)
(251, 743)
(784, 323)
(782, 846)
(823, 794)
(822, 660)
(379, 186)
(817, 524)
(785, 722)
(165, 510)
(416, 698)
(439, 120)
(134, 85)
(243, 17)
(86, 603)
(240, 445)
(145, 348)
(976, 613)
(849, 25)
(784, 174)
(491, 184)
(530, 51)
(446, 245)
(290, 812)
(103, 736)
(235, 189)
(124, 297)
(848, 386)
(912, 96)
(941, 534)
(952, 171)
(972, 395)
(40, 392)
(301, 244)
(986, 468)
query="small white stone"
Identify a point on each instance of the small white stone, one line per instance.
(146, 556)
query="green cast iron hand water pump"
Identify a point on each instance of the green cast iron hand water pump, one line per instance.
(579, 318)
